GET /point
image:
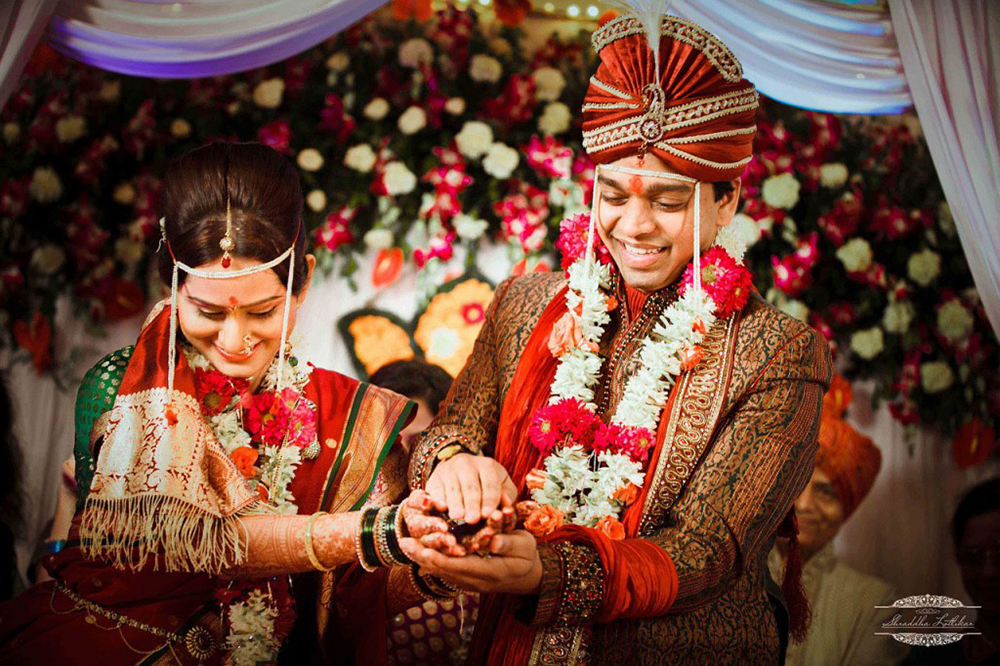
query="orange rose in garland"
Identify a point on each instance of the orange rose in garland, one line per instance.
(245, 458)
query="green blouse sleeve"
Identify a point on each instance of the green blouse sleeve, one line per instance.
(96, 395)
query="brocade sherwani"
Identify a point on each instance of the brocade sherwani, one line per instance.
(739, 447)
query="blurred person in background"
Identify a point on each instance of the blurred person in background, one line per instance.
(842, 600)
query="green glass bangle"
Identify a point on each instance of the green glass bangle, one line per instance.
(392, 533)
(367, 554)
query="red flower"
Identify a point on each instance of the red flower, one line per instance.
(302, 420)
(724, 280)
(553, 424)
(515, 104)
(124, 300)
(473, 313)
(266, 417)
(36, 339)
(276, 134)
(972, 444)
(334, 118)
(420, 10)
(335, 231)
(216, 391)
(512, 12)
(441, 248)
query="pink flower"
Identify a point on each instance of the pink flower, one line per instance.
(636, 443)
(267, 417)
(572, 241)
(790, 276)
(302, 427)
(515, 104)
(726, 282)
(276, 134)
(549, 157)
(442, 247)
(843, 313)
(473, 313)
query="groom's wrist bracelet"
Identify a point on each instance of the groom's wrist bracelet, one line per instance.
(430, 587)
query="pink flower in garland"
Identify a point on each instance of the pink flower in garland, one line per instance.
(572, 241)
(278, 135)
(724, 280)
(335, 231)
(267, 417)
(636, 443)
(552, 425)
(302, 427)
(549, 157)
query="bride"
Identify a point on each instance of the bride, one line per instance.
(224, 486)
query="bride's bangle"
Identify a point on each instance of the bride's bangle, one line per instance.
(387, 534)
(310, 550)
(367, 551)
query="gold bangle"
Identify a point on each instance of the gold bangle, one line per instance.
(310, 551)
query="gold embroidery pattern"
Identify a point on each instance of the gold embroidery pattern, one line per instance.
(696, 409)
(557, 645)
(683, 31)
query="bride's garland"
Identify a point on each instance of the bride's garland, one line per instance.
(267, 434)
(593, 470)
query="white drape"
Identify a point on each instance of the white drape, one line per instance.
(195, 39)
(951, 53)
(22, 24)
(810, 54)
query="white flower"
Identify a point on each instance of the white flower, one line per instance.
(377, 109)
(415, 52)
(923, 267)
(795, 308)
(474, 139)
(11, 132)
(124, 194)
(413, 120)
(310, 160)
(833, 174)
(268, 93)
(856, 255)
(316, 200)
(935, 376)
(781, 191)
(485, 69)
(469, 228)
(48, 259)
(110, 91)
(868, 343)
(180, 128)
(737, 236)
(361, 158)
(228, 429)
(398, 179)
(45, 185)
(897, 316)
(500, 161)
(128, 251)
(549, 83)
(954, 321)
(455, 106)
(338, 62)
(555, 119)
(70, 128)
(378, 239)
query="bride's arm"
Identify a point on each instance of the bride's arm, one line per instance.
(277, 544)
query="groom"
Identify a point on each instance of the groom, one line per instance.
(722, 439)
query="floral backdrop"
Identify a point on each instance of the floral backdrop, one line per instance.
(417, 135)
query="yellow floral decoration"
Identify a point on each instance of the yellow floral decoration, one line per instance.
(378, 340)
(448, 328)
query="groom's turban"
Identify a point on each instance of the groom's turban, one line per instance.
(696, 114)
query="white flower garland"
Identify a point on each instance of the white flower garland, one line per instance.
(578, 483)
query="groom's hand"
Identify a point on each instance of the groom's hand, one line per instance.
(513, 566)
(470, 487)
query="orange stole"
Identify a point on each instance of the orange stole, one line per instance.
(640, 579)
